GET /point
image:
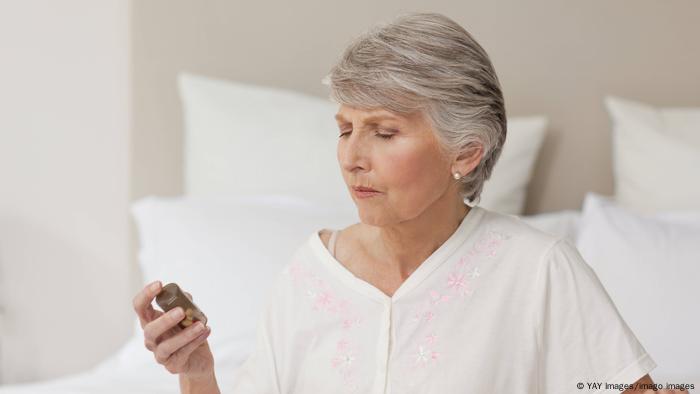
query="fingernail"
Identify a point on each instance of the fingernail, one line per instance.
(178, 313)
(155, 285)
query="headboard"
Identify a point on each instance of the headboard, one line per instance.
(553, 58)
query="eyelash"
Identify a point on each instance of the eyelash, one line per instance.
(383, 136)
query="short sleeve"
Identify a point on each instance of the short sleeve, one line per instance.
(582, 338)
(258, 373)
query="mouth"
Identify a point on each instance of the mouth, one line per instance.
(364, 189)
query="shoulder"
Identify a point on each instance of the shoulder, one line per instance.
(525, 239)
(349, 234)
(325, 235)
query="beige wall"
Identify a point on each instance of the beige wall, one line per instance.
(553, 57)
(64, 163)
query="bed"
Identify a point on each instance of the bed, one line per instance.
(183, 220)
(187, 240)
(188, 211)
(207, 239)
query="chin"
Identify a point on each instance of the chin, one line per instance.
(374, 217)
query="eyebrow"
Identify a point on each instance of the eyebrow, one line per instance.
(368, 119)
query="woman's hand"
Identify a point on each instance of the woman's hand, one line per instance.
(181, 351)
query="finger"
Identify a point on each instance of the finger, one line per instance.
(179, 358)
(153, 330)
(169, 346)
(142, 302)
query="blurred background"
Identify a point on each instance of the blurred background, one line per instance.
(102, 105)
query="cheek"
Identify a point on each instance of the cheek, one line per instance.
(415, 169)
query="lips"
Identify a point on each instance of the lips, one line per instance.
(364, 189)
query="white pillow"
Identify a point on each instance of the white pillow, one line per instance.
(656, 156)
(562, 223)
(243, 139)
(650, 266)
(506, 189)
(225, 253)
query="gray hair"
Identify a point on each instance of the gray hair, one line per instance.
(427, 62)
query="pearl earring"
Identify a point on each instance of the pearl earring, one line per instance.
(456, 175)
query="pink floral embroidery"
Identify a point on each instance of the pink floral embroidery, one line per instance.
(423, 316)
(489, 244)
(425, 355)
(350, 322)
(429, 315)
(296, 271)
(437, 298)
(458, 284)
(323, 299)
(340, 307)
(344, 362)
(344, 356)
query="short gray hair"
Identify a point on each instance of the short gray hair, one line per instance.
(428, 62)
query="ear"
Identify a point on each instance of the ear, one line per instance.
(468, 159)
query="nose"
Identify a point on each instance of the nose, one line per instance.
(354, 152)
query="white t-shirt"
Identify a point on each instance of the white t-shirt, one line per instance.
(500, 307)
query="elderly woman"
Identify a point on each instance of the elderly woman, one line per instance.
(429, 293)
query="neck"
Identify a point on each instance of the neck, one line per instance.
(403, 246)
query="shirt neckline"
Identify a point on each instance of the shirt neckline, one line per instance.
(442, 253)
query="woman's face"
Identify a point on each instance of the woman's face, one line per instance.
(396, 155)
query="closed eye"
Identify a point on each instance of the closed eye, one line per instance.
(380, 135)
